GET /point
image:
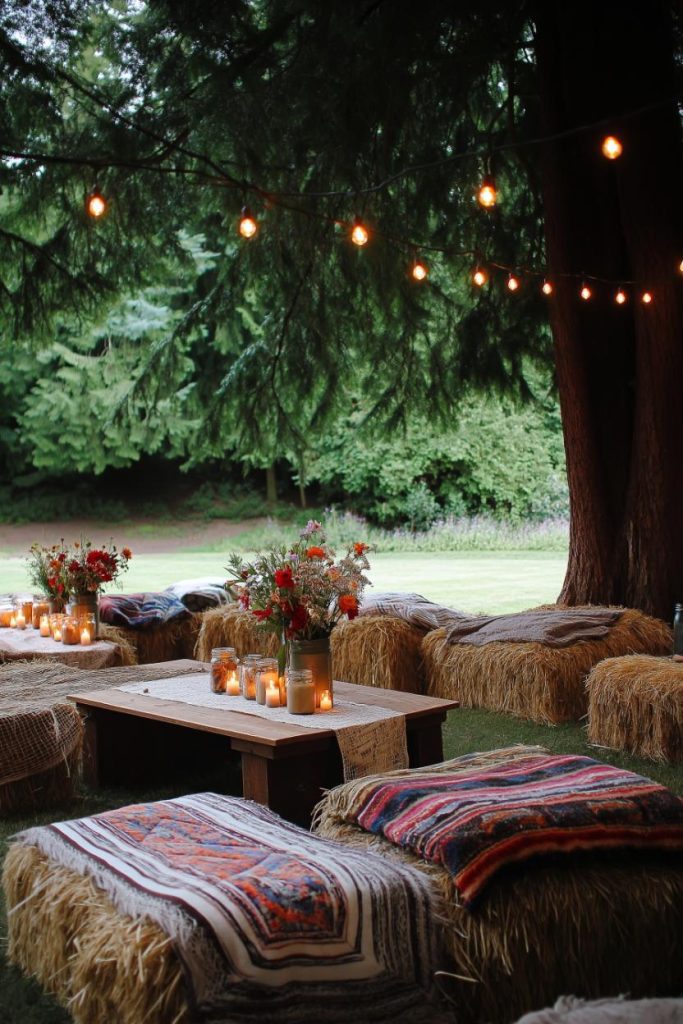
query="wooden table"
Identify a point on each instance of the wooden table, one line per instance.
(130, 737)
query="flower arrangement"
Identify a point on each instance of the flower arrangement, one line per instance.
(60, 571)
(301, 592)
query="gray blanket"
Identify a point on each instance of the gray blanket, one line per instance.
(569, 1010)
(554, 628)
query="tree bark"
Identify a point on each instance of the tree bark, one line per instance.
(271, 484)
(619, 368)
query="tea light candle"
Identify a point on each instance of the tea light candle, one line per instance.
(57, 634)
(232, 685)
(44, 625)
(273, 695)
(326, 701)
(86, 639)
(13, 621)
(21, 620)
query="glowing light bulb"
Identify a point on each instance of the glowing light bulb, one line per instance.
(479, 277)
(359, 233)
(586, 293)
(612, 147)
(95, 204)
(646, 298)
(620, 297)
(547, 288)
(247, 226)
(487, 195)
(419, 271)
(513, 283)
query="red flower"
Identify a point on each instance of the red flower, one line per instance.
(299, 618)
(244, 599)
(262, 614)
(360, 548)
(283, 579)
(127, 553)
(315, 552)
(348, 605)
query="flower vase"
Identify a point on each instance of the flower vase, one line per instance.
(55, 605)
(86, 604)
(315, 655)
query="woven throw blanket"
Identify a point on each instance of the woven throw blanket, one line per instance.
(140, 611)
(413, 608)
(270, 922)
(371, 739)
(554, 628)
(475, 823)
(570, 1010)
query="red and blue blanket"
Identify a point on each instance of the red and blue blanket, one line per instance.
(140, 611)
(476, 822)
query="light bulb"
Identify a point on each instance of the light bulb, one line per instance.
(487, 195)
(586, 293)
(612, 147)
(547, 288)
(646, 298)
(479, 277)
(513, 283)
(359, 233)
(247, 226)
(419, 271)
(620, 297)
(95, 204)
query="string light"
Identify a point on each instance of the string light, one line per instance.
(487, 195)
(95, 204)
(585, 293)
(513, 283)
(359, 233)
(612, 147)
(620, 297)
(248, 225)
(646, 298)
(479, 277)
(419, 271)
(547, 288)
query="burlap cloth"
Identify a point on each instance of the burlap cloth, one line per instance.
(39, 727)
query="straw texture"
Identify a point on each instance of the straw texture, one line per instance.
(379, 650)
(233, 627)
(174, 639)
(592, 926)
(531, 680)
(636, 704)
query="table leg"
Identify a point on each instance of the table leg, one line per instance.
(290, 786)
(425, 743)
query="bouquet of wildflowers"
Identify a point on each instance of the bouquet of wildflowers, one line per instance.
(86, 569)
(45, 567)
(301, 592)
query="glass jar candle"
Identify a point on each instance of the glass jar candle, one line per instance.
(19, 617)
(224, 668)
(266, 673)
(71, 633)
(5, 615)
(40, 608)
(87, 629)
(248, 670)
(300, 692)
(56, 620)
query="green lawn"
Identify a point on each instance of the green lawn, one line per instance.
(473, 581)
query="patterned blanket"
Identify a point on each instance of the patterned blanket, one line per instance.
(140, 611)
(261, 912)
(475, 823)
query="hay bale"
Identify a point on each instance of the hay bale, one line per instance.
(114, 635)
(234, 627)
(101, 965)
(530, 680)
(591, 926)
(379, 650)
(166, 642)
(636, 704)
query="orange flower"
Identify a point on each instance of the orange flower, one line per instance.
(360, 548)
(315, 552)
(127, 553)
(348, 605)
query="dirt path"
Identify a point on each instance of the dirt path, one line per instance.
(142, 537)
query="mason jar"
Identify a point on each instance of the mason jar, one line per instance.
(300, 692)
(266, 673)
(224, 668)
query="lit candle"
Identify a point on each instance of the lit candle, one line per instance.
(273, 695)
(57, 634)
(86, 639)
(44, 625)
(13, 621)
(232, 685)
(21, 620)
(326, 701)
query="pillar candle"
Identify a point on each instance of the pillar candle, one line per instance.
(86, 639)
(273, 695)
(232, 685)
(44, 625)
(21, 620)
(326, 701)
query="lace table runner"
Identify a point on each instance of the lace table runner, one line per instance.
(371, 739)
(26, 644)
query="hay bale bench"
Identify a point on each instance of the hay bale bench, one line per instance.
(531, 680)
(41, 732)
(591, 924)
(233, 627)
(210, 907)
(636, 704)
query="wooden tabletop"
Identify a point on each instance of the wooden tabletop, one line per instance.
(239, 725)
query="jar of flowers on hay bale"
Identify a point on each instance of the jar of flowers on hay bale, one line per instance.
(45, 569)
(300, 593)
(85, 572)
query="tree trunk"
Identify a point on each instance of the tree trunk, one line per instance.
(271, 484)
(619, 368)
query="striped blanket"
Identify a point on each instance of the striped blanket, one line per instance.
(140, 611)
(262, 913)
(477, 822)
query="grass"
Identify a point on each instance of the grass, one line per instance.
(23, 1002)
